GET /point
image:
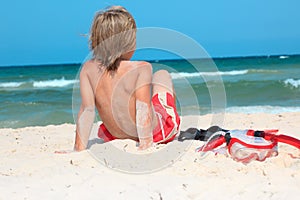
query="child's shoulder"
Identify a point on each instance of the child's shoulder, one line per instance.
(91, 66)
(141, 64)
(136, 66)
(137, 63)
(90, 63)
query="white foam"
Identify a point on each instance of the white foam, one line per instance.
(11, 84)
(292, 82)
(53, 83)
(182, 75)
(283, 57)
(262, 71)
(261, 109)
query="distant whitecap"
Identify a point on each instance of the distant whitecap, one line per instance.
(283, 57)
(181, 75)
(292, 82)
(53, 83)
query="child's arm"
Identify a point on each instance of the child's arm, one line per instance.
(143, 106)
(86, 113)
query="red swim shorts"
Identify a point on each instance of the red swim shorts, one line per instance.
(168, 120)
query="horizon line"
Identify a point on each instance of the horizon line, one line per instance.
(159, 60)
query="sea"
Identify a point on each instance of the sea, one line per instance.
(40, 95)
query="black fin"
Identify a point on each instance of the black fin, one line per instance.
(187, 135)
(196, 134)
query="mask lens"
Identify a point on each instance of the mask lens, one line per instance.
(245, 154)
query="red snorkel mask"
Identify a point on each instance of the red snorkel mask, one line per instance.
(247, 145)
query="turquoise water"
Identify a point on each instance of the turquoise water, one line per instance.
(42, 95)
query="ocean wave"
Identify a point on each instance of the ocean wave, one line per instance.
(37, 84)
(261, 109)
(292, 82)
(53, 83)
(11, 84)
(283, 57)
(262, 71)
(181, 75)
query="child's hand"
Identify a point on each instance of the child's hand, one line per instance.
(145, 143)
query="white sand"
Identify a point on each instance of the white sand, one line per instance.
(29, 169)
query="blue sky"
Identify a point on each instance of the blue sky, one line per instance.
(48, 31)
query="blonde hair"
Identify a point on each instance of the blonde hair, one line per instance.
(113, 34)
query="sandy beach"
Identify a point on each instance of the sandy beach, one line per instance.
(29, 168)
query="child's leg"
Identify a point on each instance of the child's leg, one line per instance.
(162, 82)
(164, 104)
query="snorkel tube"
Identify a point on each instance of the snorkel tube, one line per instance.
(272, 136)
(212, 144)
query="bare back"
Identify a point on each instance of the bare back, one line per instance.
(115, 94)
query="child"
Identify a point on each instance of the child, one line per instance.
(120, 89)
